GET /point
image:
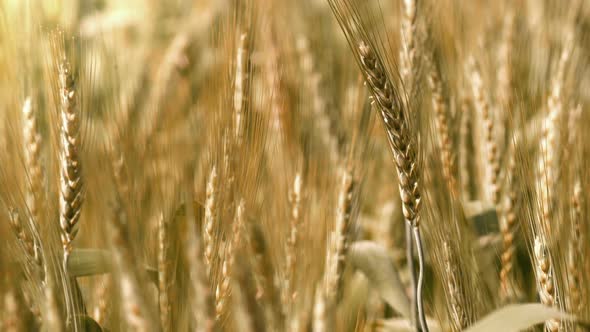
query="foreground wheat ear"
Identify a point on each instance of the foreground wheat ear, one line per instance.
(390, 106)
(71, 194)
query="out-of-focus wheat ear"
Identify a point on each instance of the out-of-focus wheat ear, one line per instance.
(136, 310)
(248, 297)
(340, 238)
(292, 242)
(30, 246)
(243, 321)
(548, 162)
(201, 299)
(545, 282)
(32, 144)
(100, 296)
(163, 282)
(442, 126)
(264, 272)
(71, 182)
(164, 83)
(454, 291)
(491, 166)
(509, 291)
(504, 82)
(313, 82)
(241, 85)
(575, 253)
(52, 317)
(223, 289)
(35, 190)
(12, 312)
(320, 320)
(408, 36)
(464, 148)
(210, 218)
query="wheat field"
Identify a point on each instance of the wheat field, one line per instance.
(310, 165)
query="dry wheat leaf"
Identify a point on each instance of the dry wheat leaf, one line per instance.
(374, 262)
(517, 317)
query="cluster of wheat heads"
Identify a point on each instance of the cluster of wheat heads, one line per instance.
(312, 165)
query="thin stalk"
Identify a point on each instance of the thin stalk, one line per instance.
(419, 303)
(411, 268)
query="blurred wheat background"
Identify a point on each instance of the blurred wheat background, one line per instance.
(311, 165)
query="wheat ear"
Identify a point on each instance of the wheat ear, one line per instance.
(241, 85)
(209, 221)
(545, 282)
(442, 126)
(100, 310)
(71, 183)
(458, 315)
(12, 320)
(30, 247)
(549, 147)
(163, 282)
(292, 241)
(223, 290)
(408, 52)
(575, 251)
(135, 306)
(265, 275)
(390, 106)
(318, 103)
(201, 299)
(508, 225)
(492, 166)
(464, 151)
(340, 237)
(32, 140)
